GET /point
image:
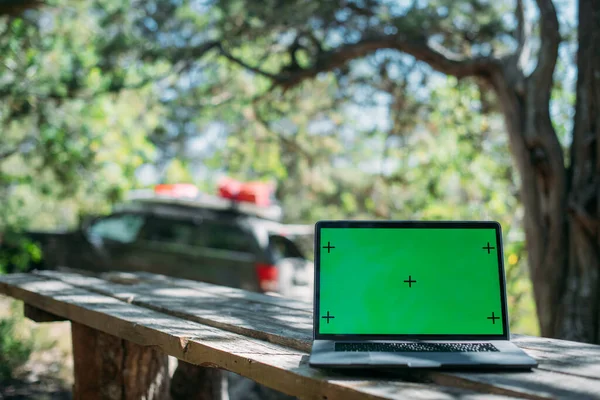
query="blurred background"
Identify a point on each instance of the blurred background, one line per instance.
(350, 109)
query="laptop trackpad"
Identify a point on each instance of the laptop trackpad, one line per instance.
(395, 359)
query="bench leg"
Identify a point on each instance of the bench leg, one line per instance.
(198, 383)
(106, 367)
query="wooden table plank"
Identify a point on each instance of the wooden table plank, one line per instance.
(275, 366)
(563, 356)
(538, 384)
(268, 321)
(234, 312)
(226, 291)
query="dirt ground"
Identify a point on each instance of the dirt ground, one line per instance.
(45, 388)
(48, 375)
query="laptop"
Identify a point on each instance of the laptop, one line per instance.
(411, 295)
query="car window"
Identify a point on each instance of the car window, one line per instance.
(169, 231)
(282, 247)
(226, 237)
(122, 228)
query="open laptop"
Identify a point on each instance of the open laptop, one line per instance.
(411, 294)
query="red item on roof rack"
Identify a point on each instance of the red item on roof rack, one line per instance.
(177, 190)
(259, 193)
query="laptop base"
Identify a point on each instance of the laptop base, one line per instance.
(507, 356)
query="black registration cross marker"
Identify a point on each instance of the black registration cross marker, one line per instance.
(327, 317)
(410, 281)
(329, 247)
(493, 318)
(488, 247)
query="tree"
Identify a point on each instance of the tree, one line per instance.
(560, 190)
(185, 50)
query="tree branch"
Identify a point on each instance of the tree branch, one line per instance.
(587, 222)
(7, 153)
(436, 56)
(522, 33)
(180, 53)
(549, 41)
(19, 147)
(243, 64)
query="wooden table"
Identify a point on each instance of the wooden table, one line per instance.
(123, 329)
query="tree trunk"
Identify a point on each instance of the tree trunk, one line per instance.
(578, 314)
(561, 204)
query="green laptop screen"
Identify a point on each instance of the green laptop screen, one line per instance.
(410, 281)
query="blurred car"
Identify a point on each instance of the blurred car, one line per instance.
(176, 230)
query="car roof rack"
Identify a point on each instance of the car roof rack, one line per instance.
(207, 201)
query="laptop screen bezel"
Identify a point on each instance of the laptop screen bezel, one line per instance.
(409, 225)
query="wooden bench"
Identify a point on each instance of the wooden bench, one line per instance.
(123, 331)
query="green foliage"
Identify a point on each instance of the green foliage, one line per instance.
(177, 172)
(15, 348)
(73, 133)
(18, 253)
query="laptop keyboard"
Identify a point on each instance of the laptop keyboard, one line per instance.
(409, 347)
